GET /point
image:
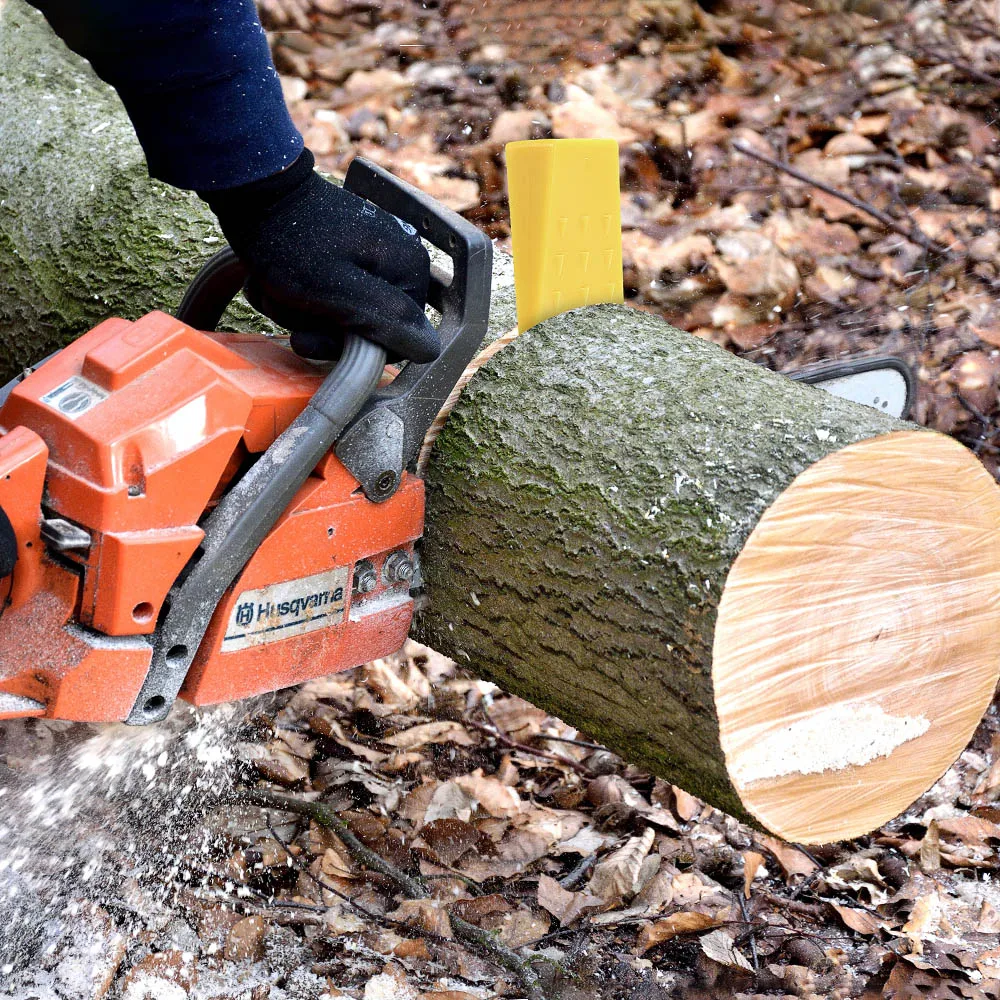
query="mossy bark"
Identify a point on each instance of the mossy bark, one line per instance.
(588, 495)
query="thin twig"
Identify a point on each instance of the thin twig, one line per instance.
(753, 938)
(576, 876)
(963, 67)
(495, 731)
(411, 887)
(914, 234)
(334, 891)
(566, 739)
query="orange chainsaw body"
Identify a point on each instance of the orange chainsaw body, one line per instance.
(132, 433)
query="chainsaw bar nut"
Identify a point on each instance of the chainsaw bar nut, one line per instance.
(397, 568)
(365, 578)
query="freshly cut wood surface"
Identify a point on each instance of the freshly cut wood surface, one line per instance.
(858, 641)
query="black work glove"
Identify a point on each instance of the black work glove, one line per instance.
(324, 263)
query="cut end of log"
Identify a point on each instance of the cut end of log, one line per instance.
(858, 641)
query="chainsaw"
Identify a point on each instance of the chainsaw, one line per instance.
(207, 516)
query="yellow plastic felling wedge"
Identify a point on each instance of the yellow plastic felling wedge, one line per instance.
(566, 228)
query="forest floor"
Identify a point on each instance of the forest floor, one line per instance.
(438, 838)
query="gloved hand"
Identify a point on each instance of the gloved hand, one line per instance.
(324, 263)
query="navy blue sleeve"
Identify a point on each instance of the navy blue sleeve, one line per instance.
(197, 80)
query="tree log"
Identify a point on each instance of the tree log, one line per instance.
(779, 600)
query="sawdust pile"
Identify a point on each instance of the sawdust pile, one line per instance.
(97, 827)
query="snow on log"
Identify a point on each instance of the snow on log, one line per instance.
(781, 601)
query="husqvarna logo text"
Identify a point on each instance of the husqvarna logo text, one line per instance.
(287, 609)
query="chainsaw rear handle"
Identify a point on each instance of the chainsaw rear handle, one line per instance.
(385, 437)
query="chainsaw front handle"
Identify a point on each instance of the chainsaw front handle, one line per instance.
(244, 517)
(385, 437)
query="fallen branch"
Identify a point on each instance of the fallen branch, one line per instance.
(912, 233)
(412, 888)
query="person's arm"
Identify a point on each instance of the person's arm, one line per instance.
(198, 83)
(197, 80)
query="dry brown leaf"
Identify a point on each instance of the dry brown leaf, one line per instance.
(449, 839)
(865, 125)
(415, 803)
(429, 915)
(490, 795)
(616, 877)
(752, 266)
(581, 117)
(988, 921)
(658, 892)
(970, 828)
(565, 906)
(930, 848)
(517, 718)
(275, 762)
(792, 860)
(332, 729)
(720, 946)
(449, 801)
(653, 257)
(988, 788)
(925, 918)
(752, 863)
(800, 232)
(335, 864)
(989, 335)
(432, 732)
(850, 144)
(586, 841)
(669, 927)
(172, 967)
(975, 375)
(860, 876)
(519, 927)
(689, 888)
(686, 805)
(988, 963)
(746, 336)
(861, 921)
(245, 940)
(388, 686)
(476, 910)
(612, 789)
